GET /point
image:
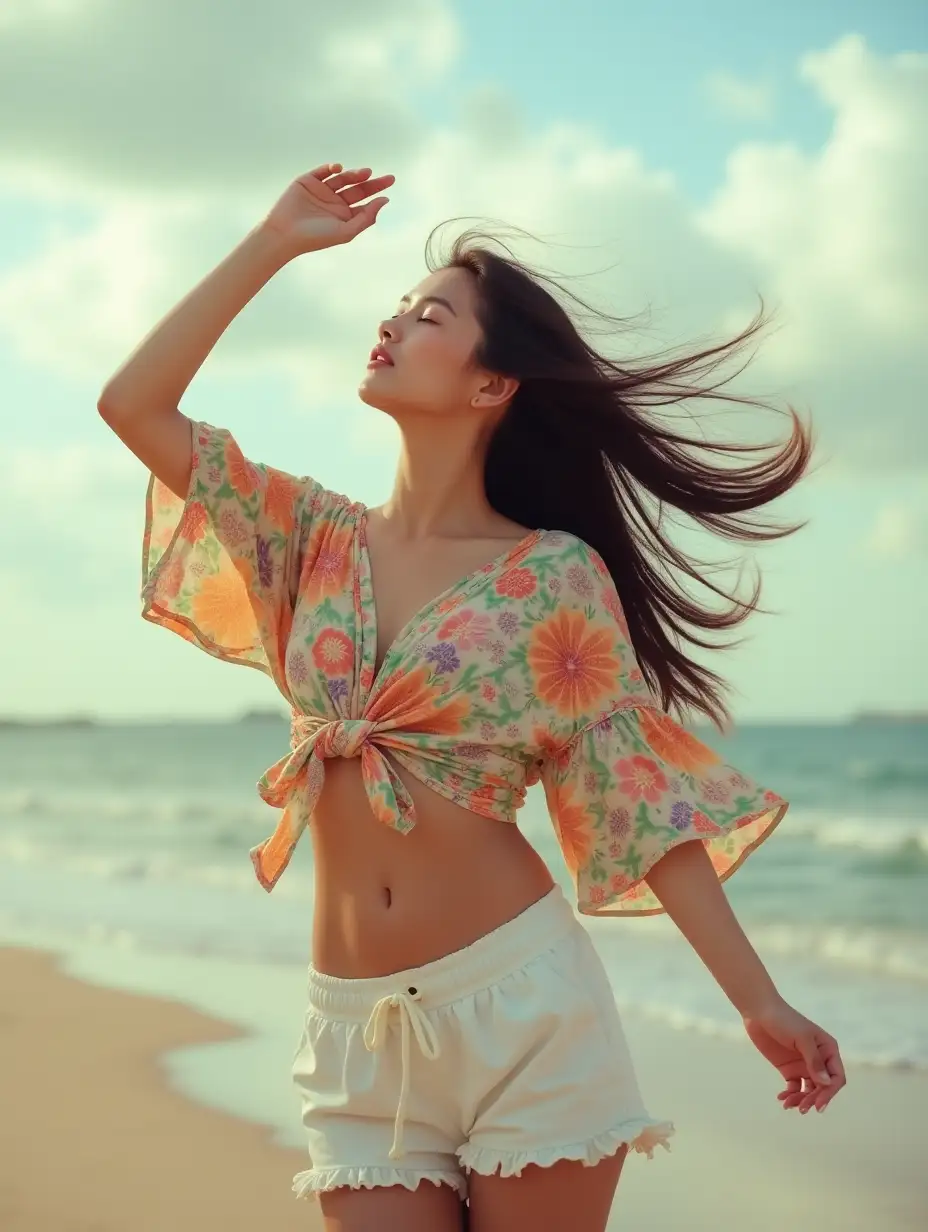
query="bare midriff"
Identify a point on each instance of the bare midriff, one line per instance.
(386, 901)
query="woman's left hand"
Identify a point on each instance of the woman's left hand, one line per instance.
(806, 1056)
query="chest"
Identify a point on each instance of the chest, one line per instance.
(405, 582)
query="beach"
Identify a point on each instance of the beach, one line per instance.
(96, 1135)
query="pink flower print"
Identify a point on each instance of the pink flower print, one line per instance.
(620, 822)
(234, 531)
(640, 778)
(487, 730)
(508, 623)
(597, 895)
(716, 791)
(473, 752)
(488, 691)
(619, 883)
(589, 782)
(466, 629)
(614, 608)
(554, 585)
(513, 731)
(497, 652)
(579, 581)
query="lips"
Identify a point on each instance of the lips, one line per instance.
(381, 353)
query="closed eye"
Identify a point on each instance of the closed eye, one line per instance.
(431, 320)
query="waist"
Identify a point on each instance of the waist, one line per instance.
(385, 900)
(460, 973)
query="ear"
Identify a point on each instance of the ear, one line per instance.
(495, 392)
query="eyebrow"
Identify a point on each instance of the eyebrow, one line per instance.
(430, 299)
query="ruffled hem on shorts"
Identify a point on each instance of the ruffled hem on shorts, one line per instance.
(640, 1134)
(362, 1176)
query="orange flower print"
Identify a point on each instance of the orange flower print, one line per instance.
(333, 652)
(412, 702)
(243, 475)
(449, 604)
(467, 629)
(640, 778)
(574, 662)
(280, 499)
(222, 611)
(614, 607)
(545, 740)
(193, 523)
(328, 555)
(573, 830)
(673, 744)
(703, 824)
(173, 578)
(517, 583)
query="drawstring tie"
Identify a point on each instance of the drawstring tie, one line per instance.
(375, 1034)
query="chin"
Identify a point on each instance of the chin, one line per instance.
(372, 397)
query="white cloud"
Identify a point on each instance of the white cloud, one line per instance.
(738, 97)
(836, 239)
(833, 237)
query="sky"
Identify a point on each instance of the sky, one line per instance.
(683, 159)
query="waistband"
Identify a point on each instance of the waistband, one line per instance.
(454, 976)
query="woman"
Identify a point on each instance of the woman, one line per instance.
(441, 653)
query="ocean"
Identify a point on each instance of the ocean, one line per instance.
(125, 849)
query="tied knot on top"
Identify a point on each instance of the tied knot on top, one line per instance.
(333, 738)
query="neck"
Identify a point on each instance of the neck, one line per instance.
(439, 490)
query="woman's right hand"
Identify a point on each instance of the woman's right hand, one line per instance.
(319, 209)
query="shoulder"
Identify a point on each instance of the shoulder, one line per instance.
(579, 575)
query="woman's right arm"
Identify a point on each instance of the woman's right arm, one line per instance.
(320, 209)
(140, 402)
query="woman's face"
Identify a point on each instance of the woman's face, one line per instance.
(430, 338)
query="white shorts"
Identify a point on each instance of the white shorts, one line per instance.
(507, 1053)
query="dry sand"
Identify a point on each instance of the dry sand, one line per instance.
(93, 1139)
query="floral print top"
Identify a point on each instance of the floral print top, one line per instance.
(521, 671)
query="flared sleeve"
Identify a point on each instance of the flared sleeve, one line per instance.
(634, 784)
(221, 568)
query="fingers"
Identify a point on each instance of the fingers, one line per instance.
(363, 216)
(357, 192)
(324, 169)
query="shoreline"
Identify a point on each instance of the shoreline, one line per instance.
(94, 1127)
(93, 1135)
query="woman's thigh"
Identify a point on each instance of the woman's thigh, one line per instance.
(569, 1194)
(429, 1208)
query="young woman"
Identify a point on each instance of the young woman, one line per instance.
(507, 616)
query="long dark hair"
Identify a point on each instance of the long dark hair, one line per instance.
(580, 449)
